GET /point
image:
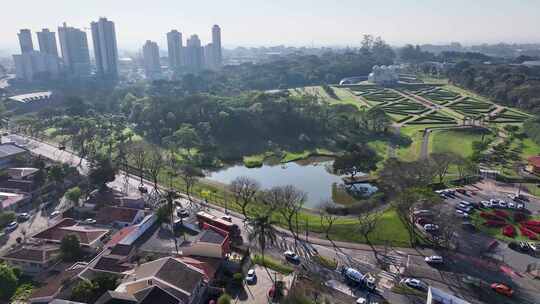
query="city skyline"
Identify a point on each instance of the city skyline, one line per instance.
(322, 24)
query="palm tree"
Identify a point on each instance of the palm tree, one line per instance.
(261, 230)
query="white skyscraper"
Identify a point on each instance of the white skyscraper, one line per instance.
(47, 42)
(75, 54)
(174, 48)
(105, 48)
(152, 66)
(25, 41)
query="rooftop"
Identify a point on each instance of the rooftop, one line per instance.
(211, 236)
(54, 283)
(20, 173)
(87, 235)
(10, 149)
(534, 160)
(31, 97)
(37, 254)
(108, 215)
(8, 199)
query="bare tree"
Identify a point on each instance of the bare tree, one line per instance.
(288, 201)
(155, 164)
(367, 223)
(139, 154)
(244, 190)
(448, 225)
(190, 175)
(327, 219)
(441, 163)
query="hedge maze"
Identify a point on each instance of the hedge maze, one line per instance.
(434, 118)
(508, 116)
(440, 96)
(472, 107)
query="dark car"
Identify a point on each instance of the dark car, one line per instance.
(521, 246)
(468, 226)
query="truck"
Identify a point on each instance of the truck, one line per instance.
(232, 229)
(355, 276)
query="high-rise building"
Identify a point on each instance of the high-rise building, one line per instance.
(217, 57)
(34, 65)
(75, 54)
(174, 48)
(105, 48)
(152, 66)
(25, 41)
(209, 56)
(47, 42)
(194, 54)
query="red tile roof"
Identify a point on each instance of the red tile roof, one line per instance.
(68, 226)
(120, 235)
(54, 283)
(37, 254)
(109, 215)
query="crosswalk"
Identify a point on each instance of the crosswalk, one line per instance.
(303, 249)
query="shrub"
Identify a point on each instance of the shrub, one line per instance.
(502, 214)
(520, 217)
(493, 223)
(272, 264)
(532, 228)
(528, 233)
(509, 231)
(532, 223)
(491, 216)
(224, 299)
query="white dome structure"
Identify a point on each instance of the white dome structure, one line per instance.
(384, 75)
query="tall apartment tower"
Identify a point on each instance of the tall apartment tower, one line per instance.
(25, 41)
(152, 66)
(74, 47)
(47, 42)
(174, 48)
(217, 57)
(105, 48)
(194, 54)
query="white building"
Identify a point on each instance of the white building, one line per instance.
(217, 56)
(152, 66)
(47, 42)
(384, 75)
(105, 48)
(174, 48)
(75, 54)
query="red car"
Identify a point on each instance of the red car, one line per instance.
(502, 289)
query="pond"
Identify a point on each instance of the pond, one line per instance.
(312, 177)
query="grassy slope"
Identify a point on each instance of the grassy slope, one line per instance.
(456, 141)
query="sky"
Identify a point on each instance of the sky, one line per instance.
(288, 22)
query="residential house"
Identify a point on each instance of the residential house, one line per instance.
(533, 165)
(11, 199)
(55, 285)
(169, 279)
(32, 259)
(119, 216)
(90, 238)
(211, 242)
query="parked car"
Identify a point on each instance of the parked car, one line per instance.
(431, 227)
(486, 204)
(422, 213)
(462, 214)
(503, 204)
(54, 214)
(227, 218)
(361, 300)
(462, 191)
(11, 227)
(503, 289)
(89, 221)
(251, 277)
(423, 221)
(434, 259)
(468, 226)
(23, 217)
(183, 213)
(463, 208)
(414, 283)
(291, 256)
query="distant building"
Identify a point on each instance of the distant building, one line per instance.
(10, 153)
(105, 48)
(174, 48)
(217, 56)
(119, 216)
(384, 75)
(11, 200)
(32, 101)
(152, 65)
(194, 54)
(25, 41)
(47, 42)
(34, 65)
(89, 237)
(75, 54)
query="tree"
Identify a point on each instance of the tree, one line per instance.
(154, 166)
(102, 171)
(73, 195)
(367, 222)
(84, 291)
(396, 176)
(358, 158)
(138, 153)
(8, 281)
(56, 174)
(186, 136)
(408, 201)
(190, 175)
(70, 248)
(441, 162)
(327, 219)
(288, 201)
(224, 299)
(244, 190)
(261, 231)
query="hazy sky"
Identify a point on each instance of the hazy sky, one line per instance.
(291, 22)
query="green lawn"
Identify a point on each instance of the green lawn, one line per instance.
(411, 152)
(456, 141)
(530, 148)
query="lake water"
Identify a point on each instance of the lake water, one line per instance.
(310, 177)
